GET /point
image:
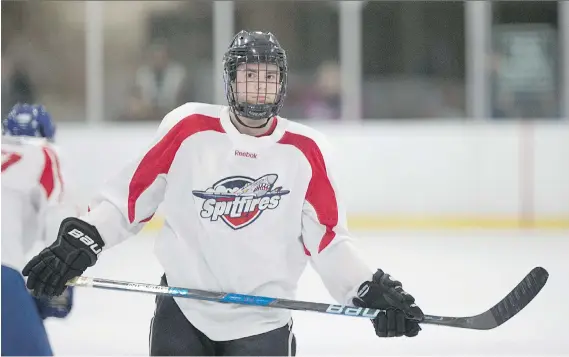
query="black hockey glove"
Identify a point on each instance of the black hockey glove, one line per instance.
(401, 316)
(76, 248)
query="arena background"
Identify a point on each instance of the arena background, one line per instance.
(449, 118)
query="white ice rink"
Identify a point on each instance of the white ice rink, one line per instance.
(450, 273)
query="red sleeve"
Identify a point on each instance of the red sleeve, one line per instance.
(131, 197)
(159, 158)
(324, 225)
(320, 193)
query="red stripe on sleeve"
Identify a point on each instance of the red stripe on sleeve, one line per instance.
(306, 251)
(320, 193)
(159, 159)
(147, 219)
(9, 158)
(53, 155)
(47, 176)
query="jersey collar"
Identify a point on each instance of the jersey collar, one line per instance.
(261, 141)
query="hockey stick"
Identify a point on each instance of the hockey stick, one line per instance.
(513, 303)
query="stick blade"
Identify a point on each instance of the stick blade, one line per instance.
(504, 310)
(521, 296)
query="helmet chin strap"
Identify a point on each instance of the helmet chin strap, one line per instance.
(248, 126)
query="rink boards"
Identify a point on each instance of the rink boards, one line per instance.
(415, 175)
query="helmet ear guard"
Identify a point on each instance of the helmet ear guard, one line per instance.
(254, 48)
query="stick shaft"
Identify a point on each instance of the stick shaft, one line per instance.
(504, 310)
(241, 299)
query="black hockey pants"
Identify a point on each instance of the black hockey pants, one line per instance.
(171, 334)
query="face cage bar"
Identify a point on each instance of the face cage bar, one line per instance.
(265, 86)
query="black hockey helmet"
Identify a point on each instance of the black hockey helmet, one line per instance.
(254, 47)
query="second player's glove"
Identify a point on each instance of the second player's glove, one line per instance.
(401, 316)
(76, 248)
(55, 306)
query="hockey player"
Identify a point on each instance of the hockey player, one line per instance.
(249, 198)
(31, 189)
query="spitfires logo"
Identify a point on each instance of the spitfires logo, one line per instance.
(240, 200)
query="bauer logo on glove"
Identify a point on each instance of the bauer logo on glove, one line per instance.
(86, 240)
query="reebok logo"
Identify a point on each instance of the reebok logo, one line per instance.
(245, 154)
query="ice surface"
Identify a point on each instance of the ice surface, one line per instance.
(449, 273)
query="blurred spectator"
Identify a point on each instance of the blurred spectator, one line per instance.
(447, 102)
(16, 85)
(323, 100)
(524, 60)
(160, 85)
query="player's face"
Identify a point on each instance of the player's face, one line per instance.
(257, 83)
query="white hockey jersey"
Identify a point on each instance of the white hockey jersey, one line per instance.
(243, 214)
(32, 188)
